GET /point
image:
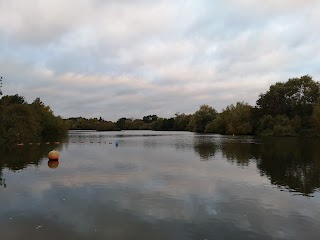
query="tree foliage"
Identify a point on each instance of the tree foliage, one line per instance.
(316, 118)
(22, 122)
(80, 123)
(149, 118)
(181, 121)
(201, 118)
(279, 125)
(297, 96)
(235, 119)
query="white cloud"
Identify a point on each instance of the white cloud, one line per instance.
(124, 58)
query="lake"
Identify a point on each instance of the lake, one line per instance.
(162, 185)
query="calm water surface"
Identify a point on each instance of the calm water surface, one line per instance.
(162, 185)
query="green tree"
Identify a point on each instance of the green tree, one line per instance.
(316, 118)
(157, 125)
(138, 124)
(149, 118)
(106, 126)
(238, 119)
(279, 125)
(163, 124)
(121, 123)
(51, 126)
(19, 123)
(218, 125)
(297, 96)
(235, 119)
(12, 99)
(181, 121)
(201, 118)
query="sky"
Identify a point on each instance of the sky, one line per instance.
(132, 58)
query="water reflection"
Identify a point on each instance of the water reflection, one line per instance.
(157, 186)
(293, 163)
(239, 153)
(16, 158)
(205, 150)
(53, 164)
(2, 180)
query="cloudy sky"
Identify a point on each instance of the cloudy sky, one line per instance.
(131, 58)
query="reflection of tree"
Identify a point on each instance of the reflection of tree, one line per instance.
(292, 163)
(239, 153)
(205, 149)
(2, 180)
(16, 158)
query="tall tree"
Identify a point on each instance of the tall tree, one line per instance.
(235, 119)
(297, 96)
(201, 118)
(181, 121)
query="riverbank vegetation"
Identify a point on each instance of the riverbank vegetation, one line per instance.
(24, 122)
(290, 108)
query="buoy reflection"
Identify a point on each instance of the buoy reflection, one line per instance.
(53, 164)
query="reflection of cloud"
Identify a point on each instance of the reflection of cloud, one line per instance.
(106, 209)
(158, 189)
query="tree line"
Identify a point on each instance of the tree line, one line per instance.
(290, 108)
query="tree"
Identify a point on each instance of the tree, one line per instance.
(279, 125)
(163, 124)
(316, 118)
(12, 99)
(181, 121)
(18, 123)
(201, 118)
(218, 125)
(238, 119)
(121, 123)
(1, 86)
(51, 126)
(297, 96)
(235, 119)
(149, 118)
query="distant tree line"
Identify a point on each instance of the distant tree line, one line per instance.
(288, 108)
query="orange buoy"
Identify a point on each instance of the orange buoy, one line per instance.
(53, 164)
(53, 155)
